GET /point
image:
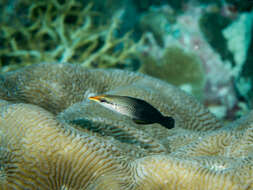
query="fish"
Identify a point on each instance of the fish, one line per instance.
(140, 111)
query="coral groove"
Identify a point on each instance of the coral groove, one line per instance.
(53, 137)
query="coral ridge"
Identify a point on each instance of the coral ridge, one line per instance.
(53, 137)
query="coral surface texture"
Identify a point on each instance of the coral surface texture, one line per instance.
(52, 137)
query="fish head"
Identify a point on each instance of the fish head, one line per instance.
(104, 100)
(111, 102)
(99, 99)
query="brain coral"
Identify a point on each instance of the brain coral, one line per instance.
(53, 137)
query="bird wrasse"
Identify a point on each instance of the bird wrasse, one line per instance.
(140, 111)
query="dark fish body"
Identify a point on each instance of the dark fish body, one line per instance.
(138, 110)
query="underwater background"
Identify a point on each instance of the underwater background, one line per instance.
(190, 59)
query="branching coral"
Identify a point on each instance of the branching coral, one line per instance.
(63, 31)
(65, 141)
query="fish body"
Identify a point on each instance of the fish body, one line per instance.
(138, 110)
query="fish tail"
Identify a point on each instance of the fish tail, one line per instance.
(168, 122)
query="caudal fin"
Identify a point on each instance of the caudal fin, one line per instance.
(168, 122)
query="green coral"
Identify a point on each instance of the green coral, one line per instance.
(177, 67)
(63, 31)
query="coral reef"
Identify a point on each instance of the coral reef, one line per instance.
(62, 31)
(177, 67)
(53, 137)
(211, 25)
(189, 34)
(122, 34)
(246, 75)
(240, 46)
(157, 21)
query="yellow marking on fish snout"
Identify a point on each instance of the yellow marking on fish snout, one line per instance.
(95, 98)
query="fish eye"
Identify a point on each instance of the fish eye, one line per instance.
(102, 100)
